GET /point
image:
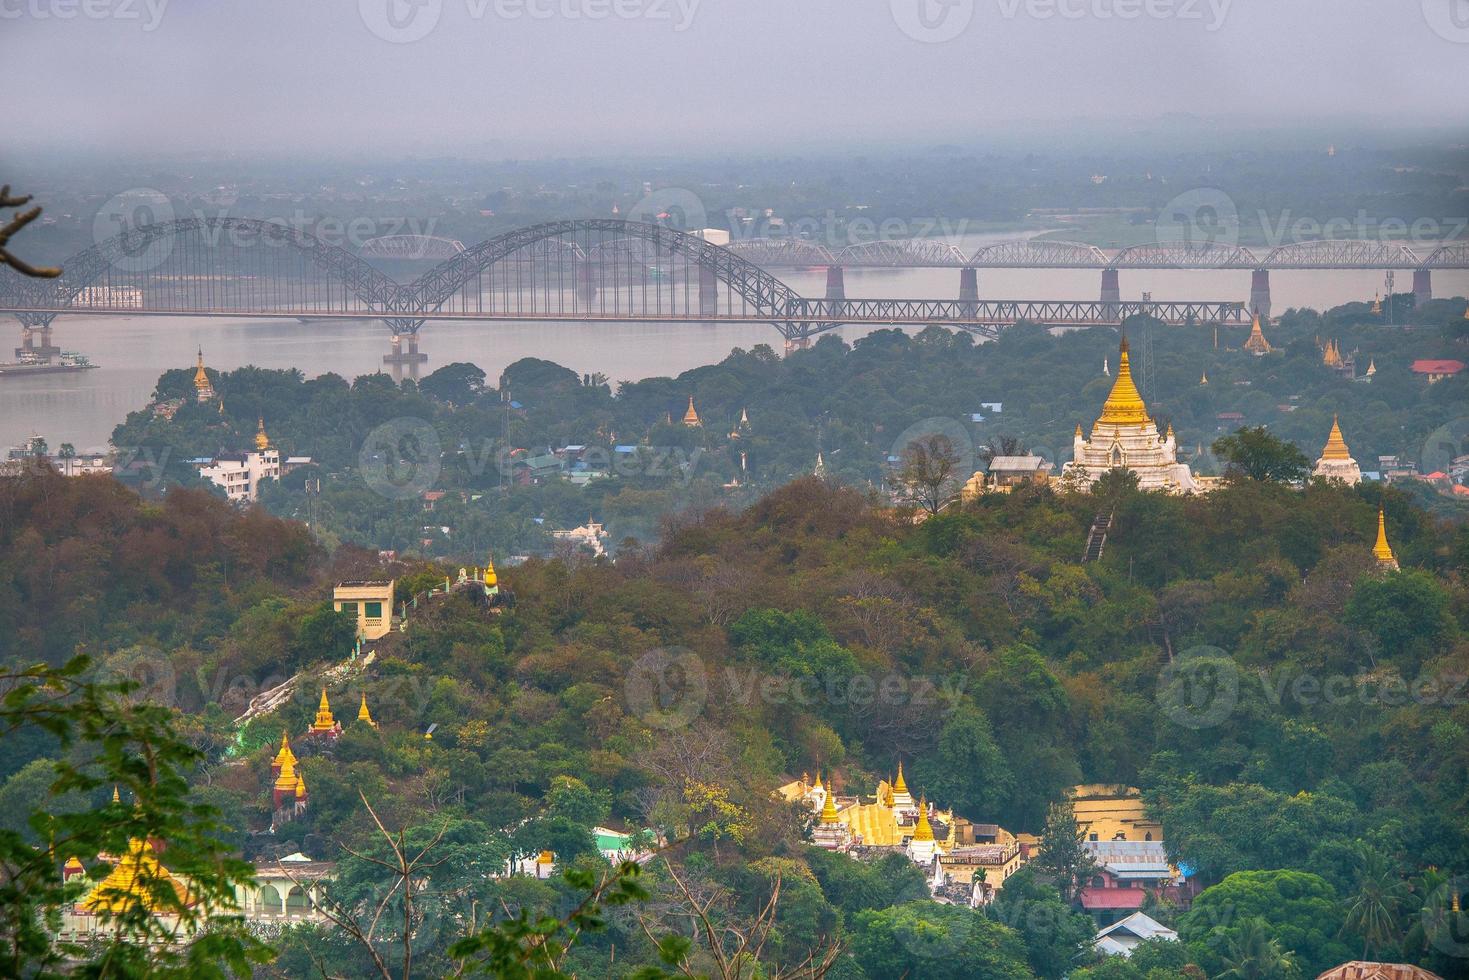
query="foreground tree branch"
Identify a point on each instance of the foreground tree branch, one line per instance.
(14, 225)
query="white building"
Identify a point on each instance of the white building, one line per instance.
(1126, 437)
(239, 474)
(1121, 937)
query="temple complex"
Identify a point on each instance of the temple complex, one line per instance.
(1336, 462)
(1125, 437)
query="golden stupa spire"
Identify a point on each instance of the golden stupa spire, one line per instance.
(363, 714)
(1336, 446)
(691, 417)
(324, 721)
(1377, 303)
(201, 377)
(900, 786)
(300, 787)
(1256, 342)
(829, 809)
(1204, 378)
(262, 441)
(491, 578)
(1382, 551)
(817, 784)
(116, 796)
(923, 831)
(1124, 406)
(285, 754)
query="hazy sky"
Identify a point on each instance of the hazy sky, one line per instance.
(527, 77)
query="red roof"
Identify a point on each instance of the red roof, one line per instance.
(1113, 898)
(1431, 366)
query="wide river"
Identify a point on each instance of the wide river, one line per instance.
(82, 408)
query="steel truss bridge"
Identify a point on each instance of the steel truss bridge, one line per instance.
(1037, 253)
(582, 270)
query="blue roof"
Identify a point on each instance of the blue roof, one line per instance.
(626, 449)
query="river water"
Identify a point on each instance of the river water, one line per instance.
(132, 351)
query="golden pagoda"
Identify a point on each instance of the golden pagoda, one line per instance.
(1331, 354)
(1256, 343)
(1204, 378)
(285, 780)
(901, 796)
(283, 756)
(923, 832)
(363, 714)
(829, 809)
(133, 882)
(324, 724)
(1336, 462)
(1124, 404)
(1377, 304)
(1382, 551)
(691, 417)
(1125, 437)
(300, 789)
(203, 389)
(1371, 368)
(262, 441)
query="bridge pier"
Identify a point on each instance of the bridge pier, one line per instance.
(1111, 292)
(708, 292)
(1422, 286)
(1260, 293)
(404, 329)
(35, 339)
(969, 291)
(836, 283)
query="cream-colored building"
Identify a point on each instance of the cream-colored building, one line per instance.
(285, 891)
(370, 602)
(1336, 462)
(1105, 813)
(1125, 437)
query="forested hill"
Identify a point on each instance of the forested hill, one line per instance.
(820, 629)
